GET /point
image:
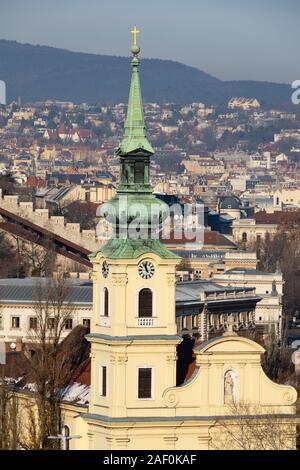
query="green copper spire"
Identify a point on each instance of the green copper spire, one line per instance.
(135, 138)
(134, 213)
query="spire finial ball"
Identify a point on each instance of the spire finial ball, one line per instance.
(135, 50)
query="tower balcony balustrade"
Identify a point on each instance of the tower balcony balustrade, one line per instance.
(146, 322)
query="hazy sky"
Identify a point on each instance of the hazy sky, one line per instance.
(231, 39)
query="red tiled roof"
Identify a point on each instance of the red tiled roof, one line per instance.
(62, 129)
(17, 365)
(34, 182)
(210, 238)
(86, 134)
(82, 374)
(192, 365)
(53, 134)
(265, 218)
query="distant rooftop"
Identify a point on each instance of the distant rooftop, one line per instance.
(80, 293)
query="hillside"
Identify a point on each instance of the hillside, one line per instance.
(39, 72)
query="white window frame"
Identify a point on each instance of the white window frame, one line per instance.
(11, 322)
(33, 317)
(145, 366)
(72, 321)
(86, 319)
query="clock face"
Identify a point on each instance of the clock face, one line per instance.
(146, 269)
(105, 269)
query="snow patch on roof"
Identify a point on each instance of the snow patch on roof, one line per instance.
(78, 393)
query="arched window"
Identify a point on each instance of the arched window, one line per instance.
(1, 322)
(244, 237)
(105, 302)
(145, 303)
(66, 430)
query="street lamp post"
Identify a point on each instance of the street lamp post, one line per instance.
(64, 437)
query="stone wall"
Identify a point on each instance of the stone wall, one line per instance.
(54, 224)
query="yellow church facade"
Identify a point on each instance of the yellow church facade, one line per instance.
(227, 403)
(228, 378)
(134, 401)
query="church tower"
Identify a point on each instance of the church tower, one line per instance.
(133, 332)
(134, 402)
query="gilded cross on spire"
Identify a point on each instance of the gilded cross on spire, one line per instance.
(135, 32)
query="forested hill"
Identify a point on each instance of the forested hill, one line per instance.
(39, 73)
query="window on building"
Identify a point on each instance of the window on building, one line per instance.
(68, 324)
(145, 303)
(244, 237)
(86, 322)
(51, 323)
(194, 321)
(15, 322)
(103, 381)
(260, 318)
(197, 274)
(183, 322)
(33, 323)
(1, 322)
(258, 238)
(144, 383)
(106, 302)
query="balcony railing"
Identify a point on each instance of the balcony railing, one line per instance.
(146, 321)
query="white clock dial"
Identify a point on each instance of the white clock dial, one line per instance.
(105, 269)
(146, 269)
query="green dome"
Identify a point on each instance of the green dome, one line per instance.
(125, 211)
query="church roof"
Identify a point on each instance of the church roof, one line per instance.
(132, 249)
